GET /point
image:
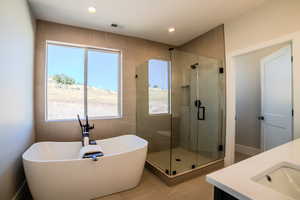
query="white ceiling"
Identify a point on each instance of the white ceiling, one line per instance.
(148, 19)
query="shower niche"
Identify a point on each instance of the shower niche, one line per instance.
(181, 111)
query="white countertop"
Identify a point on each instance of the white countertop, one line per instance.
(237, 181)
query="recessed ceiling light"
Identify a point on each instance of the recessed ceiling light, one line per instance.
(171, 30)
(92, 9)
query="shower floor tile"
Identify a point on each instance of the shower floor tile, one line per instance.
(182, 159)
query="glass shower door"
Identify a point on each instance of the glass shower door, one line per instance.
(197, 103)
(205, 112)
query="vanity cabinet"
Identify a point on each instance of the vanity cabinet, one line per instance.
(221, 195)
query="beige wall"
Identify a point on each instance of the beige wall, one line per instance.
(271, 23)
(271, 20)
(16, 79)
(210, 44)
(248, 96)
(134, 51)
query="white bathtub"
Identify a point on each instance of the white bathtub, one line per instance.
(54, 171)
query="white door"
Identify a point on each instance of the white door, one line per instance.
(276, 90)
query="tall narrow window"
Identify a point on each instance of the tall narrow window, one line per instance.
(159, 86)
(103, 83)
(84, 81)
(65, 96)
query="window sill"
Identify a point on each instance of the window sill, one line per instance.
(90, 118)
(159, 114)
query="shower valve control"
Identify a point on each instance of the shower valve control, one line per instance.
(261, 118)
(198, 103)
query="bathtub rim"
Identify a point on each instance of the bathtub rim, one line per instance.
(26, 158)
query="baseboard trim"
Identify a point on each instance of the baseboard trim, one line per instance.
(20, 193)
(247, 150)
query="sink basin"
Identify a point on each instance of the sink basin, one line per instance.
(283, 178)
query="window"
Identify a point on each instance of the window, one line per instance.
(159, 86)
(82, 80)
(103, 83)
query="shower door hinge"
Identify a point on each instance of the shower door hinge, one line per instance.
(220, 148)
(221, 70)
(292, 112)
(292, 58)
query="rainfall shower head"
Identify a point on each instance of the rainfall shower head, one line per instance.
(194, 66)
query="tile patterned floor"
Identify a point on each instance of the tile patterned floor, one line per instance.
(152, 188)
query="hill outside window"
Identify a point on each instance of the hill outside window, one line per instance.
(159, 87)
(82, 80)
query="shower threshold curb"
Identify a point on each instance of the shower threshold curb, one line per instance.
(171, 180)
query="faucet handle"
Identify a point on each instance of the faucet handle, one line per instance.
(93, 142)
(90, 127)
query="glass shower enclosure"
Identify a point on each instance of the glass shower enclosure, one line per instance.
(180, 111)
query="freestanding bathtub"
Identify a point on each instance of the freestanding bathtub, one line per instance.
(55, 172)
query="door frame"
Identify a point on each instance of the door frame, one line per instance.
(294, 39)
(262, 61)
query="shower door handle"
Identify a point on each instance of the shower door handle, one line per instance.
(203, 113)
(199, 107)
